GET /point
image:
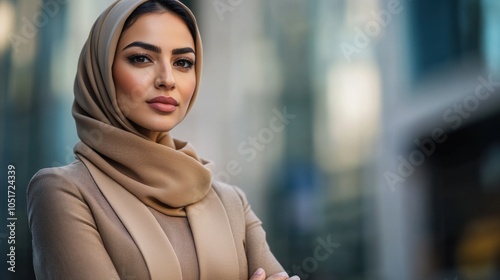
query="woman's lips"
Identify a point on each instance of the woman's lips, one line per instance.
(164, 104)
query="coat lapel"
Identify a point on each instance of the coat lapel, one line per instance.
(149, 237)
(213, 237)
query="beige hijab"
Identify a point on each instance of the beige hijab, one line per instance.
(166, 175)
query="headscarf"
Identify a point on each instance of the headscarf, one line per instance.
(166, 175)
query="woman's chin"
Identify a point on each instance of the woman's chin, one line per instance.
(151, 131)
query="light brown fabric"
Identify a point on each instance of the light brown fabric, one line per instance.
(166, 175)
(183, 243)
(79, 234)
(209, 223)
(151, 240)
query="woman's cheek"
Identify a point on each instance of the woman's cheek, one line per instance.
(188, 89)
(134, 84)
(129, 91)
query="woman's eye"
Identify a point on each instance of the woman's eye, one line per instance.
(139, 59)
(184, 63)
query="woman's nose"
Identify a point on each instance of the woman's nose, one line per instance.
(165, 78)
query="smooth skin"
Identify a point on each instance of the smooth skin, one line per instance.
(260, 274)
(151, 62)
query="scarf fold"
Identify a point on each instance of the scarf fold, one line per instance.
(165, 174)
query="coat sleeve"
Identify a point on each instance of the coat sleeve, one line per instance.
(66, 242)
(257, 250)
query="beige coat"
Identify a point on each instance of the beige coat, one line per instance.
(77, 235)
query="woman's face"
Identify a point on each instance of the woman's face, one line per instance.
(154, 72)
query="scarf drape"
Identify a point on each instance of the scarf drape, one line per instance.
(165, 174)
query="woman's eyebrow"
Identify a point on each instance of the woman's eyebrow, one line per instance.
(182, 51)
(143, 45)
(157, 49)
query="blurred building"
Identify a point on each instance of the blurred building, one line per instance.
(438, 200)
(364, 132)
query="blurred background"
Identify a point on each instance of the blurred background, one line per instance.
(365, 133)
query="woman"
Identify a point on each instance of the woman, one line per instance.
(138, 204)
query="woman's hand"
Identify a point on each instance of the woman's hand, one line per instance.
(260, 274)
